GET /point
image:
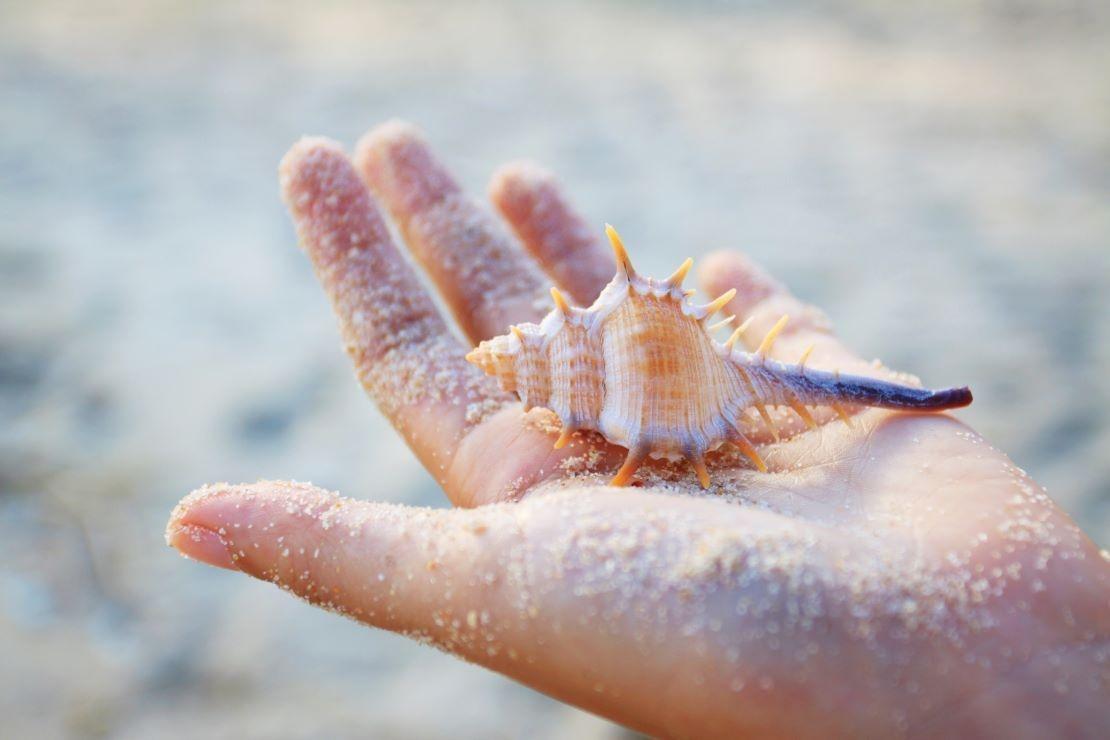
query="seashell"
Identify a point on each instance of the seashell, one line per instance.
(640, 367)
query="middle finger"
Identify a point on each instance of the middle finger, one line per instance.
(483, 277)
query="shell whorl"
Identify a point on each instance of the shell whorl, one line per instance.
(640, 367)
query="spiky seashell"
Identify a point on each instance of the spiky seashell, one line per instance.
(640, 367)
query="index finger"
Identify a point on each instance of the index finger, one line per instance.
(403, 352)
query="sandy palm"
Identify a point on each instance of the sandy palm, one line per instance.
(897, 576)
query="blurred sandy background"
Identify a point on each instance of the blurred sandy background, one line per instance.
(938, 180)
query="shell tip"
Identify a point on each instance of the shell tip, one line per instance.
(560, 301)
(843, 414)
(805, 357)
(676, 278)
(769, 339)
(748, 449)
(723, 323)
(803, 412)
(735, 336)
(628, 469)
(762, 409)
(717, 304)
(624, 264)
(564, 437)
(703, 473)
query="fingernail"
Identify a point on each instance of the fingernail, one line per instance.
(202, 545)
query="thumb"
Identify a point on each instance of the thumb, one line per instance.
(594, 596)
(420, 571)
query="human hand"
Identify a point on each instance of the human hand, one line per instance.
(897, 576)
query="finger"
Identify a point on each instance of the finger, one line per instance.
(586, 595)
(764, 300)
(487, 282)
(403, 352)
(532, 202)
(387, 565)
(428, 573)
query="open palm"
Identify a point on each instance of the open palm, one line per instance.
(898, 575)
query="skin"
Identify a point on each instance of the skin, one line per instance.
(898, 577)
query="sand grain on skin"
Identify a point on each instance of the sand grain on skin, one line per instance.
(757, 597)
(403, 352)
